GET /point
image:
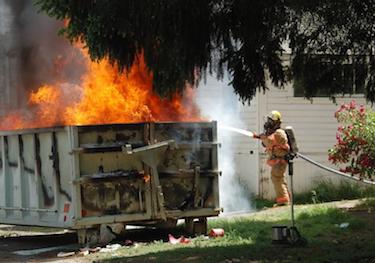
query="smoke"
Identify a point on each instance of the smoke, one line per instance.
(217, 101)
(34, 53)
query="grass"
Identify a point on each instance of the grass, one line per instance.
(324, 191)
(367, 204)
(260, 203)
(248, 239)
(327, 191)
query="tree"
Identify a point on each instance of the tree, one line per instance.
(182, 40)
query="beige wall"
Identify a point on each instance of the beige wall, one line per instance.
(315, 130)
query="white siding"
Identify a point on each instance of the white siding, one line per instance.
(246, 149)
(315, 128)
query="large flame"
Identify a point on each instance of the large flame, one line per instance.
(104, 96)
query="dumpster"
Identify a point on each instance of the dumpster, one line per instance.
(90, 178)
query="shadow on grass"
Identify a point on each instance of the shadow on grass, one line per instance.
(248, 240)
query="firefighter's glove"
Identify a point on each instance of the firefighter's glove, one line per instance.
(259, 136)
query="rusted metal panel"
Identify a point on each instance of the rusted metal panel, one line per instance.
(185, 188)
(79, 176)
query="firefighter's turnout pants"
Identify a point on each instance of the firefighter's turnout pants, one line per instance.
(277, 147)
(279, 182)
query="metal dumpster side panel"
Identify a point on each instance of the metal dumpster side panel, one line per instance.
(35, 177)
(41, 172)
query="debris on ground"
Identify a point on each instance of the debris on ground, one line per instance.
(37, 251)
(180, 240)
(342, 225)
(216, 232)
(83, 252)
(94, 249)
(87, 250)
(110, 248)
(128, 243)
(233, 260)
(65, 254)
(90, 250)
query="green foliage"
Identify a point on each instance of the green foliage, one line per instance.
(370, 130)
(260, 203)
(183, 39)
(326, 191)
(367, 204)
(355, 147)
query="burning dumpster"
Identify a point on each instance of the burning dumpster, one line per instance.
(85, 177)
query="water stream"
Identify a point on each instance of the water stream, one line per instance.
(240, 131)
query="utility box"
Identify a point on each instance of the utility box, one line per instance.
(85, 177)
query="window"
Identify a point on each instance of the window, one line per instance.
(321, 77)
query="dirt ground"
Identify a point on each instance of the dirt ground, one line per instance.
(17, 244)
(31, 244)
(25, 244)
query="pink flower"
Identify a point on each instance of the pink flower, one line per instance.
(350, 148)
(352, 105)
(362, 110)
(344, 106)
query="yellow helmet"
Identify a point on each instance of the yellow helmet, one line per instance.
(275, 115)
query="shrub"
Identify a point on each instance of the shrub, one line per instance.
(355, 147)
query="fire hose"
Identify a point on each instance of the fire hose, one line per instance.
(329, 169)
(311, 161)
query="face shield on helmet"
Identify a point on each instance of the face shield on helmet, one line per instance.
(272, 122)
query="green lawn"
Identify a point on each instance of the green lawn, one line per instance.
(248, 239)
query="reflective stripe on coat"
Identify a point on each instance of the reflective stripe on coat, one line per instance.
(277, 147)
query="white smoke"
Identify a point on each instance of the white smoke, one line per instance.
(217, 101)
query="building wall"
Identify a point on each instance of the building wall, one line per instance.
(246, 149)
(315, 129)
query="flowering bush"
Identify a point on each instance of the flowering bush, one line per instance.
(355, 147)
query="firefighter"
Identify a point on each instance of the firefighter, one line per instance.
(275, 140)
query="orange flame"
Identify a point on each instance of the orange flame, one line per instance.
(104, 96)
